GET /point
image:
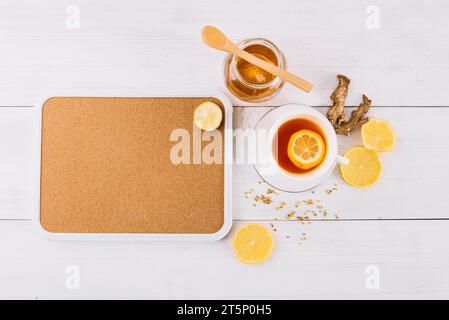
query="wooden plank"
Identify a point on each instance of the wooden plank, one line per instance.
(409, 256)
(402, 193)
(16, 162)
(154, 47)
(413, 182)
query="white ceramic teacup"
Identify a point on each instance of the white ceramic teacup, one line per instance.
(287, 181)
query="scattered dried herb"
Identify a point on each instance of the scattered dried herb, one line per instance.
(263, 198)
(313, 207)
(281, 205)
(291, 214)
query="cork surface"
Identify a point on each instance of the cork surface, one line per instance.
(106, 168)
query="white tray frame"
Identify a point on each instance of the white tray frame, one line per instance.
(228, 160)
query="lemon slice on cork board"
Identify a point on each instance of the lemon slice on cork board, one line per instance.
(208, 116)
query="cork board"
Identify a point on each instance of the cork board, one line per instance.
(106, 168)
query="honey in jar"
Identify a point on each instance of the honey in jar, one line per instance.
(249, 82)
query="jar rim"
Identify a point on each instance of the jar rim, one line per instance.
(270, 45)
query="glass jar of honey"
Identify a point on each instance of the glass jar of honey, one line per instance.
(249, 82)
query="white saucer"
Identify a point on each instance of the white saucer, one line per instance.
(265, 164)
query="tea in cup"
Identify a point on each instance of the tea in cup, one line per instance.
(303, 148)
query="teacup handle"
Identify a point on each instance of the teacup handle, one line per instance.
(342, 160)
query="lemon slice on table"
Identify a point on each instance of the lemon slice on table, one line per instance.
(378, 135)
(306, 149)
(208, 116)
(252, 243)
(363, 169)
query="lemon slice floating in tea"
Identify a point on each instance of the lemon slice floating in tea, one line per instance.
(363, 169)
(306, 149)
(253, 243)
(378, 135)
(208, 116)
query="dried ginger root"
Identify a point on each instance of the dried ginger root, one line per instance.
(336, 113)
(358, 117)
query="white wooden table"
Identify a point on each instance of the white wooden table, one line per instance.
(396, 232)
